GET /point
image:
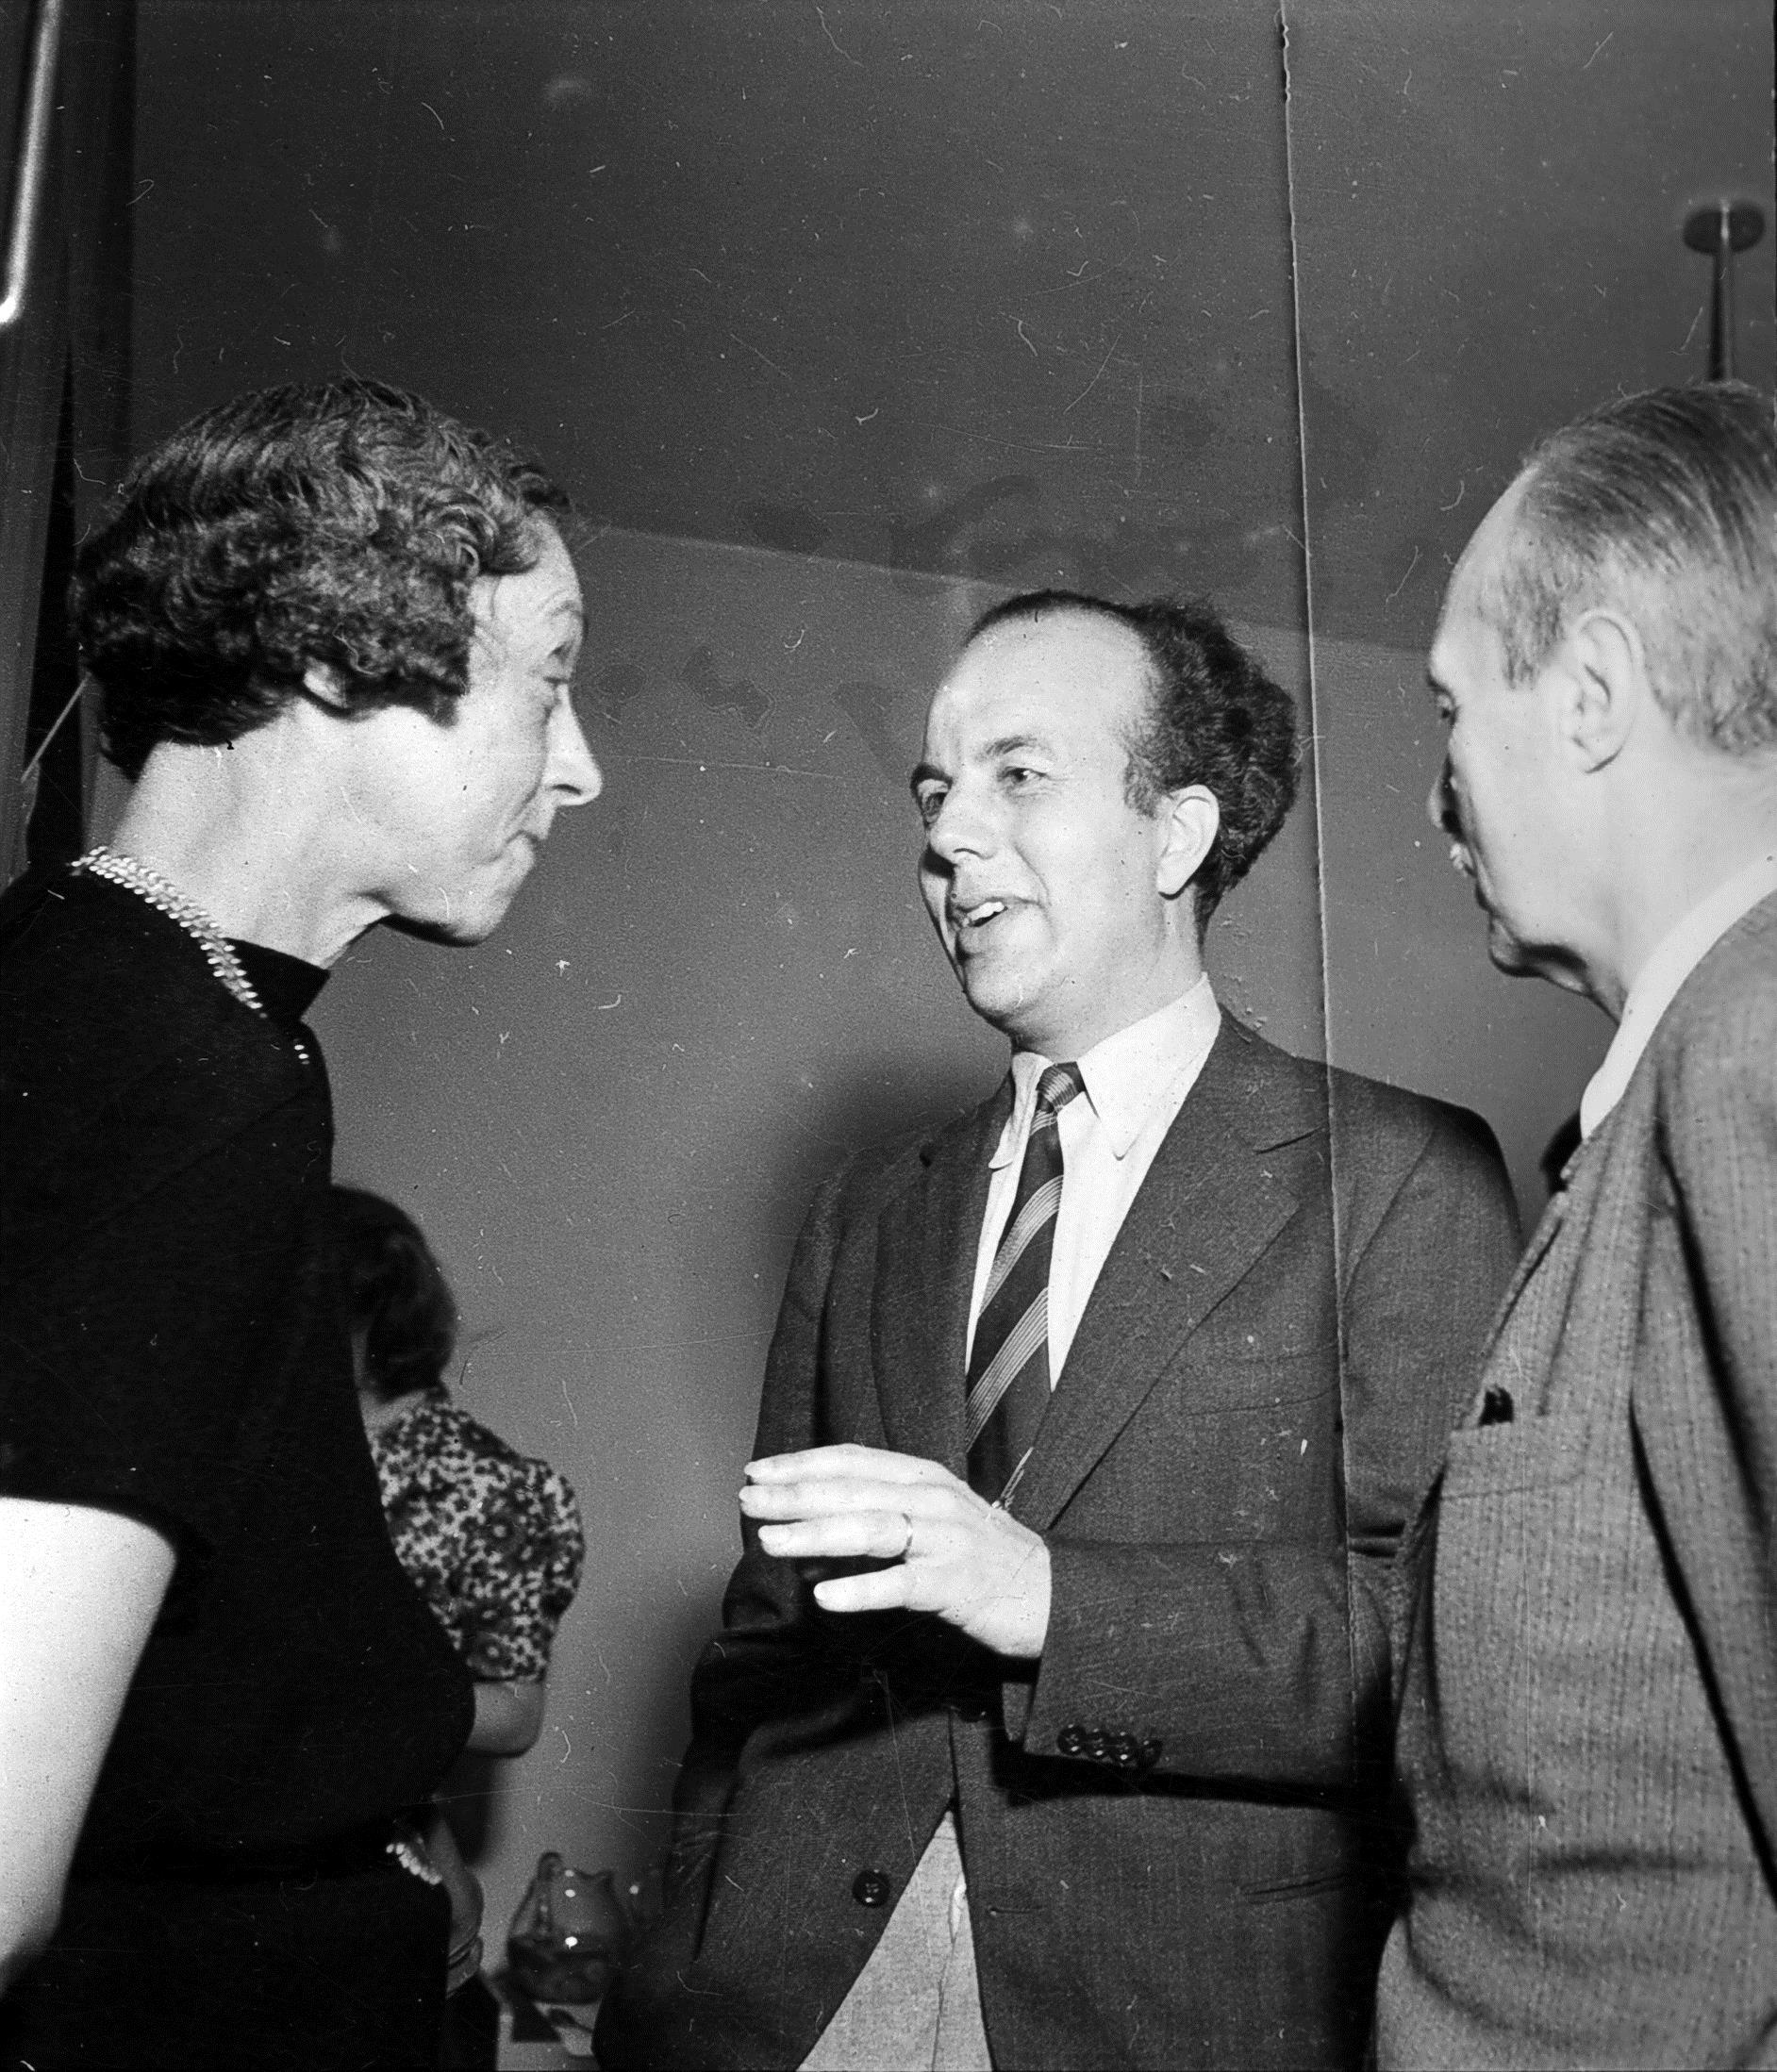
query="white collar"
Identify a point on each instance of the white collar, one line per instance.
(1128, 1075)
(1678, 953)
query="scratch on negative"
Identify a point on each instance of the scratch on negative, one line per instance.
(821, 13)
(766, 769)
(1068, 445)
(758, 354)
(1402, 583)
(1101, 365)
(894, 1743)
(1593, 58)
(1024, 334)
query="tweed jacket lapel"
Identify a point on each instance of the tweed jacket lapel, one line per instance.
(1207, 1209)
(1547, 1229)
(926, 1268)
(1574, 1198)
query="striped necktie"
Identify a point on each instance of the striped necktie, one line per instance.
(1008, 1369)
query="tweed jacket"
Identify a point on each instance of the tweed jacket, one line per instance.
(1589, 1653)
(1166, 1827)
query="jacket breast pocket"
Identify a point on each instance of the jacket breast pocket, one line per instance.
(1226, 1377)
(1521, 1584)
(1312, 1885)
(1527, 1455)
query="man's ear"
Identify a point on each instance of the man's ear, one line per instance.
(1192, 819)
(1605, 686)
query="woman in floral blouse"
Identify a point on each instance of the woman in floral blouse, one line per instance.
(492, 1541)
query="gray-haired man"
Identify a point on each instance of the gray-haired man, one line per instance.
(1589, 1675)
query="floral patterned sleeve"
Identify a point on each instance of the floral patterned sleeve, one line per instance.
(492, 1541)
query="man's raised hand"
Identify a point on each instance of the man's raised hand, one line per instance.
(951, 1552)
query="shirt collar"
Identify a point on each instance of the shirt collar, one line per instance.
(1680, 951)
(1129, 1075)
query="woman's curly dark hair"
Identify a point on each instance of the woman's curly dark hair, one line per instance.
(1214, 719)
(397, 1294)
(341, 524)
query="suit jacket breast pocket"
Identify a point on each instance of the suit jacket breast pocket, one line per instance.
(1517, 1585)
(1512, 1459)
(1257, 1377)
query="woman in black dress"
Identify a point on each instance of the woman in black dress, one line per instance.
(334, 632)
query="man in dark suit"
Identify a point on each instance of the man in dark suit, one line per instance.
(1589, 1732)
(1046, 1718)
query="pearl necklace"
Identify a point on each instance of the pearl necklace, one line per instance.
(149, 885)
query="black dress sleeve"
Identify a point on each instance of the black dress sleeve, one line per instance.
(162, 1149)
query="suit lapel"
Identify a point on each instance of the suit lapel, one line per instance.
(928, 1239)
(1208, 1208)
(1547, 1230)
(1579, 1182)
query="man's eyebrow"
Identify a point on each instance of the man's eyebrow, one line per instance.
(1007, 744)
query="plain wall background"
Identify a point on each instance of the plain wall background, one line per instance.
(838, 322)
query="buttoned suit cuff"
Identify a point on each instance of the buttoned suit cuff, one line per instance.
(1040, 1712)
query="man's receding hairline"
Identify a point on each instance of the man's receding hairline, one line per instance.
(1485, 590)
(1091, 610)
(1090, 613)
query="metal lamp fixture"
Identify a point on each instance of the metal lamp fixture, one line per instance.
(1721, 229)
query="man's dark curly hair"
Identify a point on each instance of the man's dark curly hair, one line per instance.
(398, 1297)
(1214, 719)
(341, 524)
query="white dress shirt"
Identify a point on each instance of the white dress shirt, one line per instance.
(1680, 951)
(1135, 1084)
